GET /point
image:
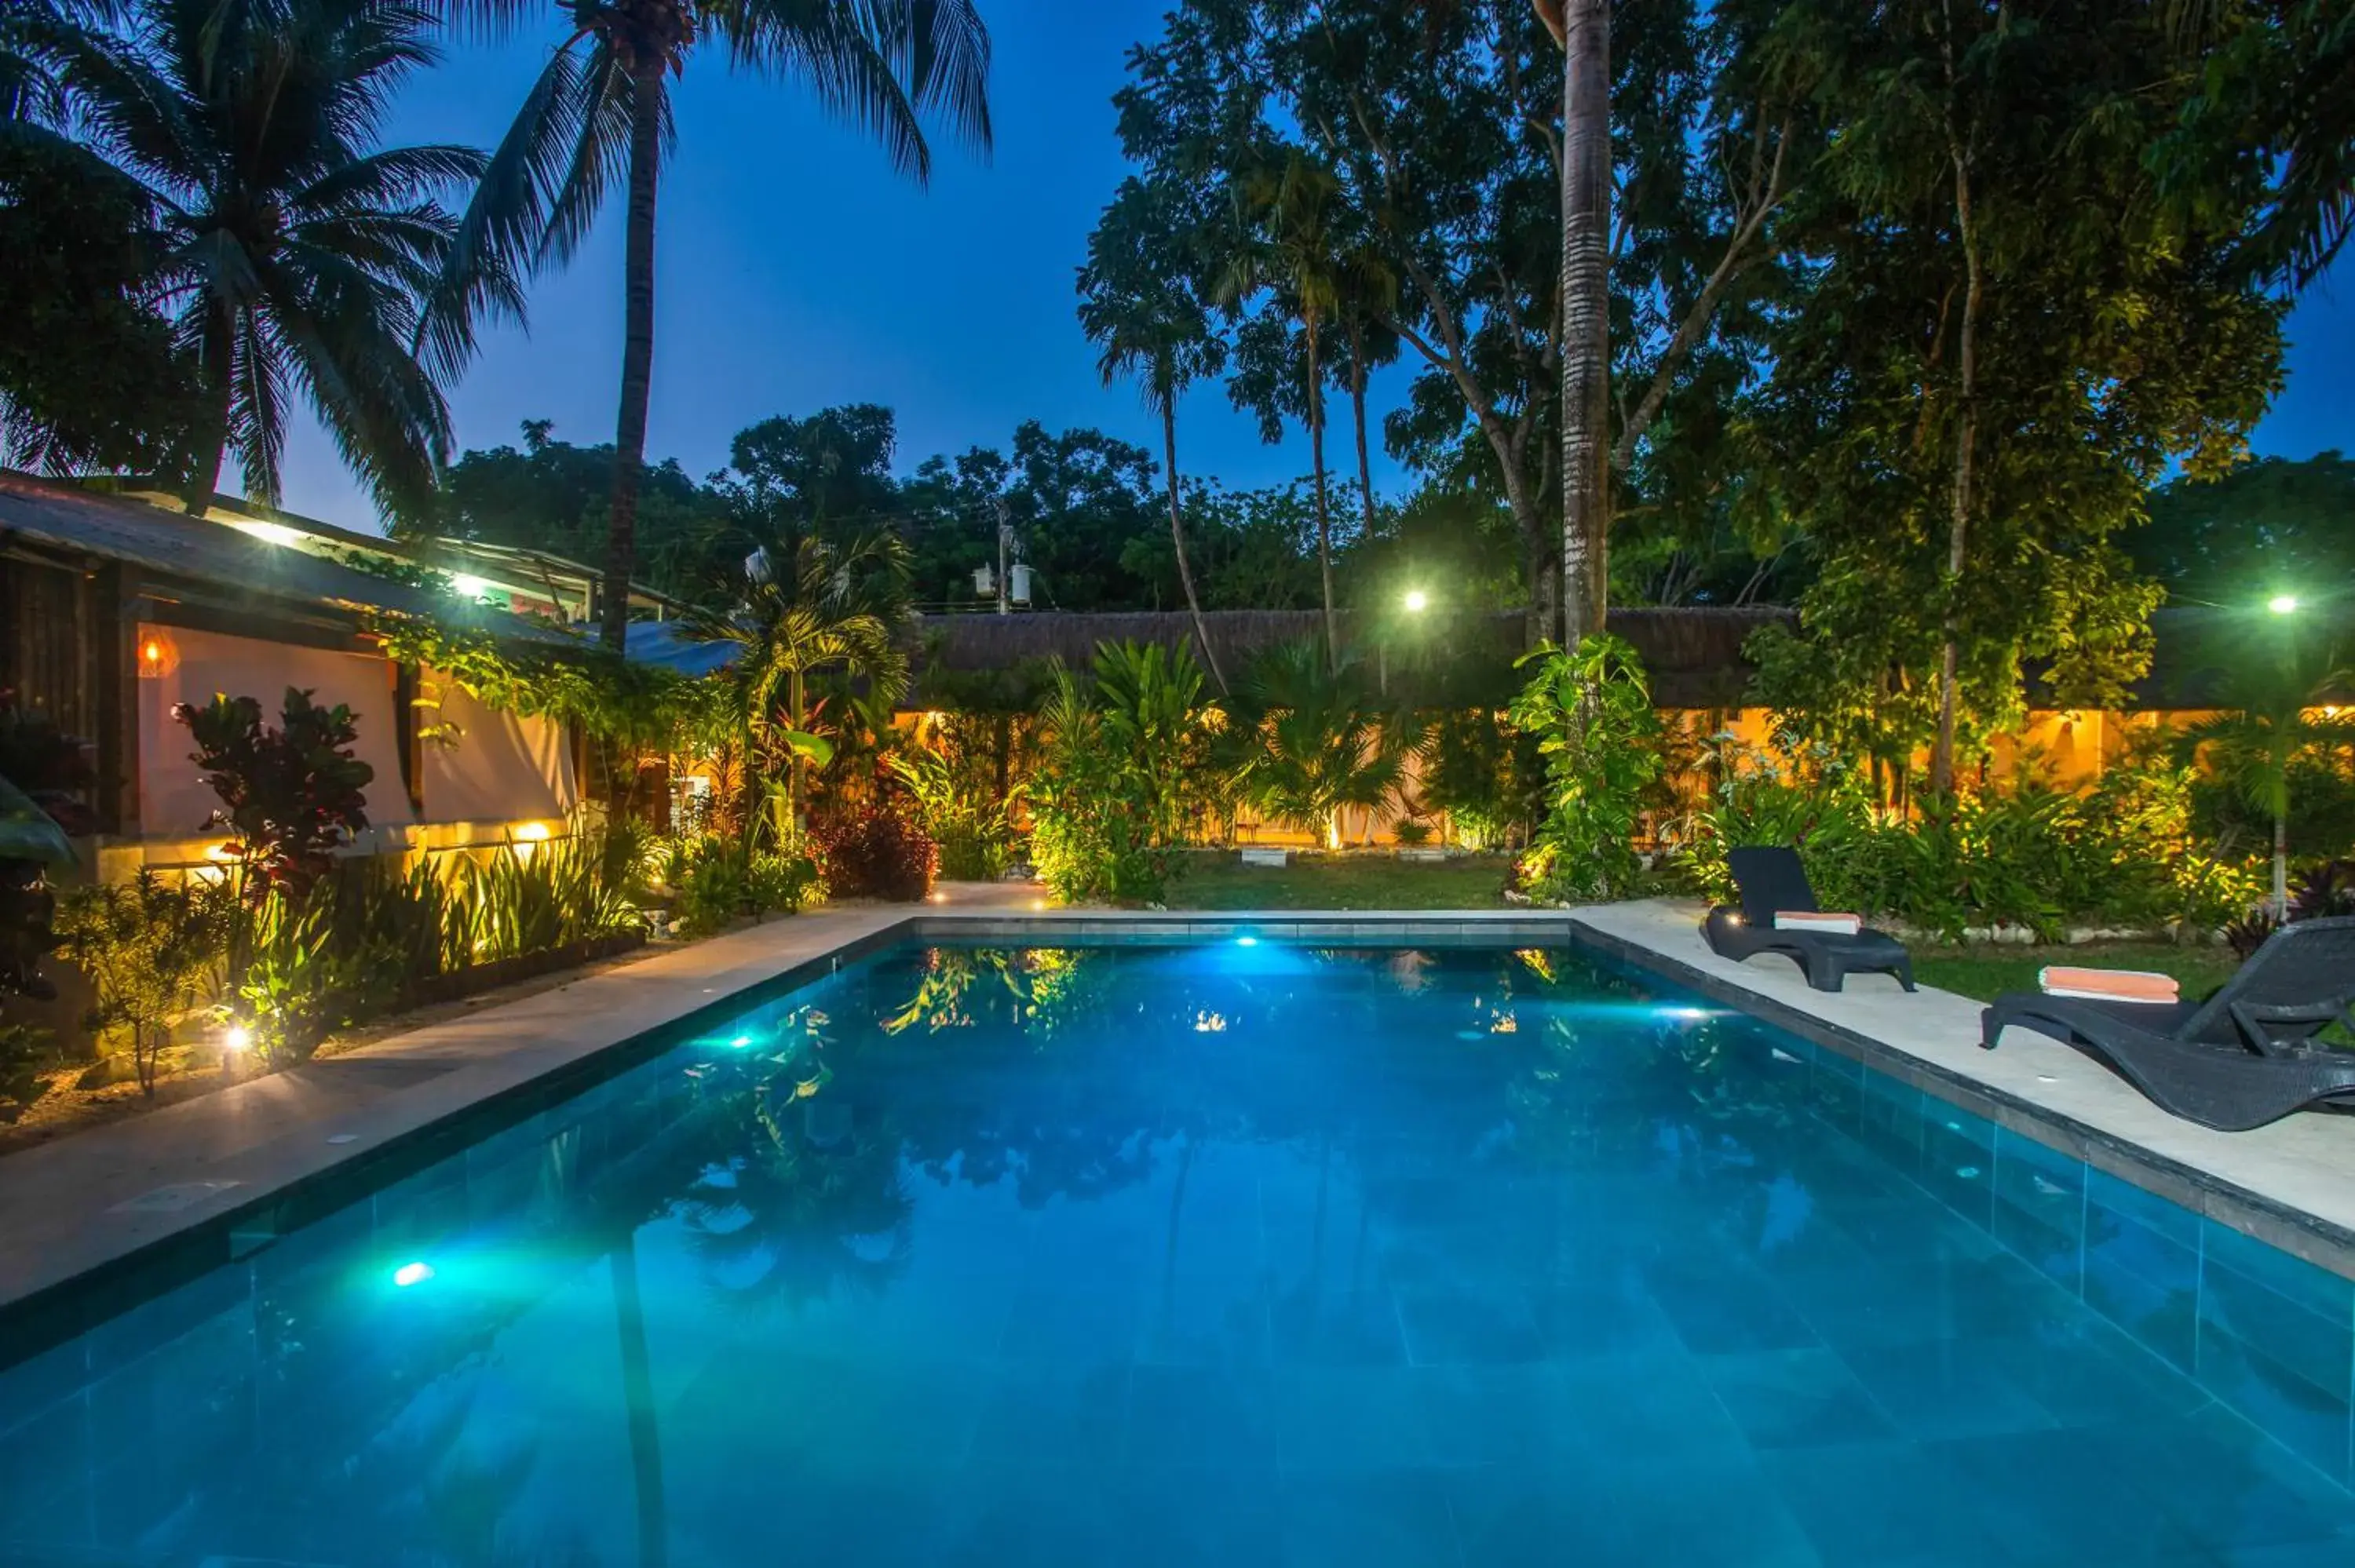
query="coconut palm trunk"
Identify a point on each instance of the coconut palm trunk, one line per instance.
(637, 346)
(1178, 537)
(638, 1396)
(1324, 514)
(1586, 318)
(2281, 865)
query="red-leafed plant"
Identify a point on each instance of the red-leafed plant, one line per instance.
(290, 793)
(876, 851)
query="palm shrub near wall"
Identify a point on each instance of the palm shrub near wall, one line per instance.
(1591, 710)
(1318, 741)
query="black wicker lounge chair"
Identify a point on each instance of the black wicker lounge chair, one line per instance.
(2240, 1059)
(1772, 880)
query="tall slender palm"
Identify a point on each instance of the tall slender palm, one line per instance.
(1583, 29)
(599, 117)
(293, 256)
(2275, 713)
(1152, 327)
(1368, 289)
(1288, 213)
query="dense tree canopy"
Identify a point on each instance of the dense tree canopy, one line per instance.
(1088, 513)
(1990, 355)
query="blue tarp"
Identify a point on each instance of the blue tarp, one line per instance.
(665, 642)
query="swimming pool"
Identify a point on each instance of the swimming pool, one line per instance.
(1229, 1254)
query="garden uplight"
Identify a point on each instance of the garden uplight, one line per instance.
(1417, 601)
(2282, 604)
(236, 1037)
(467, 584)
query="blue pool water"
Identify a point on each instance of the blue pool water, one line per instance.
(1226, 1256)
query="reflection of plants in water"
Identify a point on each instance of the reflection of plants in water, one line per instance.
(1062, 986)
(803, 1201)
(944, 992)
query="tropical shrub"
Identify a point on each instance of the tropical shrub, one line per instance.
(153, 951)
(290, 793)
(1591, 709)
(878, 851)
(718, 881)
(1319, 743)
(2021, 853)
(2321, 891)
(781, 880)
(25, 1055)
(975, 834)
(1487, 777)
(27, 934)
(42, 773)
(1123, 768)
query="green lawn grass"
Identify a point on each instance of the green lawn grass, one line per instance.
(1218, 880)
(1984, 971)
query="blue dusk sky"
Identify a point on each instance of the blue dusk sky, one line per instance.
(794, 271)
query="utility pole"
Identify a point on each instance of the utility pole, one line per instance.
(1004, 544)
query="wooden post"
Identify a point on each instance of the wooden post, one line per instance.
(117, 612)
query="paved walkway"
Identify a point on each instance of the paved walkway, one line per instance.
(99, 1196)
(2304, 1163)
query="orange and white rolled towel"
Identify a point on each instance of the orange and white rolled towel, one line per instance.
(2108, 985)
(1829, 923)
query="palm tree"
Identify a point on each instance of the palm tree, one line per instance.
(1154, 328)
(2274, 714)
(1288, 213)
(1368, 291)
(810, 606)
(600, 116)
(291, 255)
(1583, 29)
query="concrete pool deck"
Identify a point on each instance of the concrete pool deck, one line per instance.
(127, 1205)
(2291, 1185)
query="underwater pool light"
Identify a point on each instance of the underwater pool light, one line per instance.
(1246, 941)
(410, 1273)
(742, 1041)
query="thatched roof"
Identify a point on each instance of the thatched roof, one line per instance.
(1694, 655)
